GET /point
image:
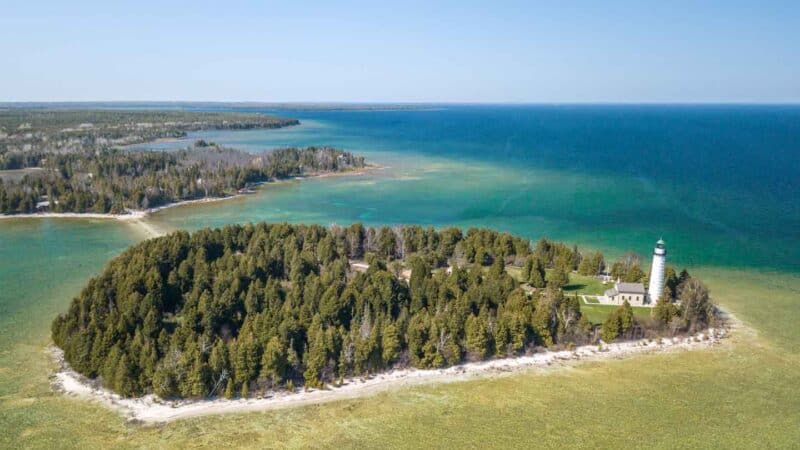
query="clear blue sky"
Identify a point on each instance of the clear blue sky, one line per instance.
(460, 51)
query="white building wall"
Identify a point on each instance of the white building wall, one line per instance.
(656, 287)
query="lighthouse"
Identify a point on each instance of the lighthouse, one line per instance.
(657, 272)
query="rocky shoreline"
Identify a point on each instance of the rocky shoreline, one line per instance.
(151, 409)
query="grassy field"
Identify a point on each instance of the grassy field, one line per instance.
(515, 272)
(580, 284)
(597, 313)
(743, 394)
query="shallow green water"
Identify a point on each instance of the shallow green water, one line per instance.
(584, 176)
(45, 261)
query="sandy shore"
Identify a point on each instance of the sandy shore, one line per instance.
(131, 215)
(150, 409)
(363, 171)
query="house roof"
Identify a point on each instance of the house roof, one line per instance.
(630, 288)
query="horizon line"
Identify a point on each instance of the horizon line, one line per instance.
(405, 103)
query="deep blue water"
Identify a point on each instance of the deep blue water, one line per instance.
(728, 176)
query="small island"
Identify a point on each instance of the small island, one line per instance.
(249, 310)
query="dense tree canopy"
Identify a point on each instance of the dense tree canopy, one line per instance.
(243, 309)
(117, 180)
(29, 135)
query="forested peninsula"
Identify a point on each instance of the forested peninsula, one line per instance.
(116, 181)
(27, 135)
(65, 161)
(246, 309)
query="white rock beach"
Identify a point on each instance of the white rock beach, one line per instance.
(151, 409)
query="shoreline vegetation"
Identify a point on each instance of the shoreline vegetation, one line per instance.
(119, 182)
(62, 163)
(151, 409)
(27, 135)
(244, 310)
(135, 215)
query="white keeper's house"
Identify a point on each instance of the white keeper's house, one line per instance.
(634, 293)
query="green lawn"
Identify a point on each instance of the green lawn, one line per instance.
(515, 272)
(597, 313)
(580, 284)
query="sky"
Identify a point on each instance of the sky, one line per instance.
(347, 51)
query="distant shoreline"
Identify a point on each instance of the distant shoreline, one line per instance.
(151, 409)
(139, 214)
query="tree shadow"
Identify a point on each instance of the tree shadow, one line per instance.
(575, 287)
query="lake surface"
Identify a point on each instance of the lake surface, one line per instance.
(719, 184)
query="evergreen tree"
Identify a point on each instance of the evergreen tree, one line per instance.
(273, 361)
(537, 273)
(390, 344)
(477, 342)
(558, 277)
(665, 310)
(230, 388)
(542, 321)
(527, 267)
(671, 281)
(625, 317)
(611, 327)
(696, 306)
(198, 378)
(315, 357)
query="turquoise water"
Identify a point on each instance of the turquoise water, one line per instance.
(43, 264)
(720, 184)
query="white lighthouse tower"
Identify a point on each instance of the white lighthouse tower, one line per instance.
(657, 272)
